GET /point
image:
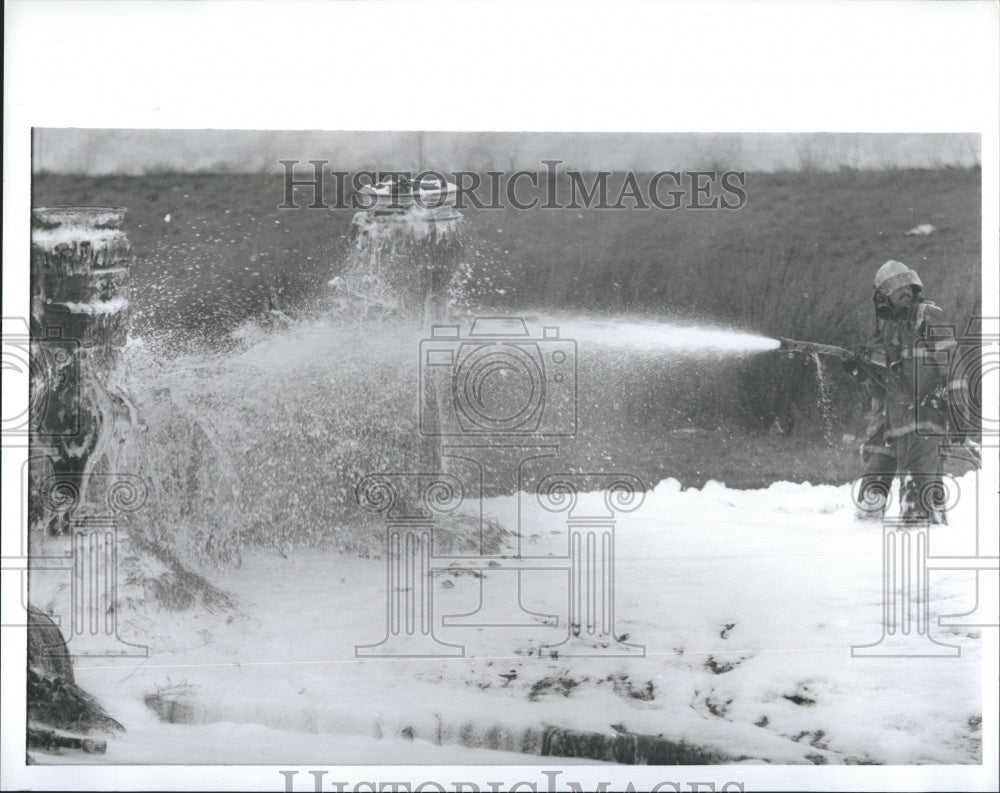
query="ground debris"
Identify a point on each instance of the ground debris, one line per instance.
(625, 747)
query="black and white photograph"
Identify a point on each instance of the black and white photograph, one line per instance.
(441, 407)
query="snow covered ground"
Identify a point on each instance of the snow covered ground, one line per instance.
(747, 603)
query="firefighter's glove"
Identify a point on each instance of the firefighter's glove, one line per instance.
(974, 449)
(938, 400)
(854, 366)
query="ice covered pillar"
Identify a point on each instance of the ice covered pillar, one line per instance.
(80, 281)
(408, 243)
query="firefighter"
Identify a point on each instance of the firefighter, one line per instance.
(905, 368)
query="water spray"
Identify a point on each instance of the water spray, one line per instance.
(655, 336)
(856, 365)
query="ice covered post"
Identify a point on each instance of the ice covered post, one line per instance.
(80, 282)
(408, 242)
(407, 245)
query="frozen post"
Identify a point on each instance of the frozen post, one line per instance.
(80, 281)
(407, 246)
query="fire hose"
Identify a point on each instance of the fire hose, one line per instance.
(860, 366)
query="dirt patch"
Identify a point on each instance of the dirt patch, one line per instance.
(718, 667)
(172, 703)
(553, 685)
(626, 688)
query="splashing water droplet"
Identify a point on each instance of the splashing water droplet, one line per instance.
(823, 398)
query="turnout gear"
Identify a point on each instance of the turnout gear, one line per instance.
(907, 377)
